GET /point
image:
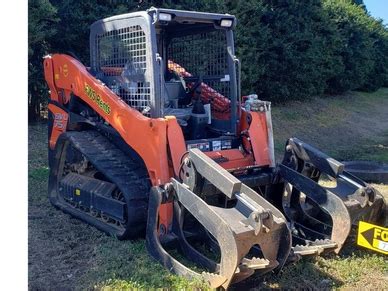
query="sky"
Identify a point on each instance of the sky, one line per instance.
(378, 9)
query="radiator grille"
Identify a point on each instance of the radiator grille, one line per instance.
(122, 59)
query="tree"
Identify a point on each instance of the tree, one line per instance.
(359, 3)
(287, 48)
(41, 26)
(363, 48)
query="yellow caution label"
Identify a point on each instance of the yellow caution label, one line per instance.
(77, 192)
(373, 237)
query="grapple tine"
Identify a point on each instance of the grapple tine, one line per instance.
(189, 251)
(284, 241)
(216, 225)
(236, 234)
(325, 199)
(321, 216)
(252, 223)
(153, 243)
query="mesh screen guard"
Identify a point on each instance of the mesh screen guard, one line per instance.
(124, 55)
(121, 58)
(204, 55)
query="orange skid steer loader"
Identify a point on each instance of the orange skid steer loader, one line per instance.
(155, 139)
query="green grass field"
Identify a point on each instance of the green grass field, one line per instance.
(68, 254)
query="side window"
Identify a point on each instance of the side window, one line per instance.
(121, 61)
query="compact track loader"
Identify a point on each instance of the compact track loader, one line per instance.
(155, 139)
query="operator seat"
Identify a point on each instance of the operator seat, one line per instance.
(177, 99)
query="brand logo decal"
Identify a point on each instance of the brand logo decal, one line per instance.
(60, 121)
(96, 98)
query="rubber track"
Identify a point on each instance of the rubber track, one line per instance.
(129, 176)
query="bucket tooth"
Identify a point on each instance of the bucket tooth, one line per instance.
(316, 247)
(324, 243)
(214, 280)
(305, 250)
(255, 263)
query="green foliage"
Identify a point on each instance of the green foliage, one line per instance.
(39, 174)
(363, 48)
(41, 26)
(378, 75)
(75, 20)
(289, 49)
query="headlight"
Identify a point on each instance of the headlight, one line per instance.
(226, 22)
(164, 17)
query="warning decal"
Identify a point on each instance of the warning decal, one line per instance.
(373, 237)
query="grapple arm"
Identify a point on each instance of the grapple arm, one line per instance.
(251, 222)
(322, 216)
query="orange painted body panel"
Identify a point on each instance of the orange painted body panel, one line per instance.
(231, 159)
(244, 126)
(49, 76)
(147, 136)
(166, 212)
(60, 118)
(258, 134)
(176, 143)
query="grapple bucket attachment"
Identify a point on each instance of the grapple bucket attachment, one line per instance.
(253, 223)
(321, 217)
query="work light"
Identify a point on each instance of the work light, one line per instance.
(226, 22)
(164, 17)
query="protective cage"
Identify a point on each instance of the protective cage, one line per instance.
(124, 55)
(121, 58)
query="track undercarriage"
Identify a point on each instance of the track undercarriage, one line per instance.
(96, 182)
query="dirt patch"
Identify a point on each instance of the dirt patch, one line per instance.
(60, 248)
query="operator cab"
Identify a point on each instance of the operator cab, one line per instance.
(167, 62)
(199, 74)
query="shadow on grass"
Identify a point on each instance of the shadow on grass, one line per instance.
(305, 274)
(352, 266)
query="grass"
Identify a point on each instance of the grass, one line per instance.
(39, 173)
(129, 266)
(359, 269)
(109, 264)
(348, 127)
(65, 253)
